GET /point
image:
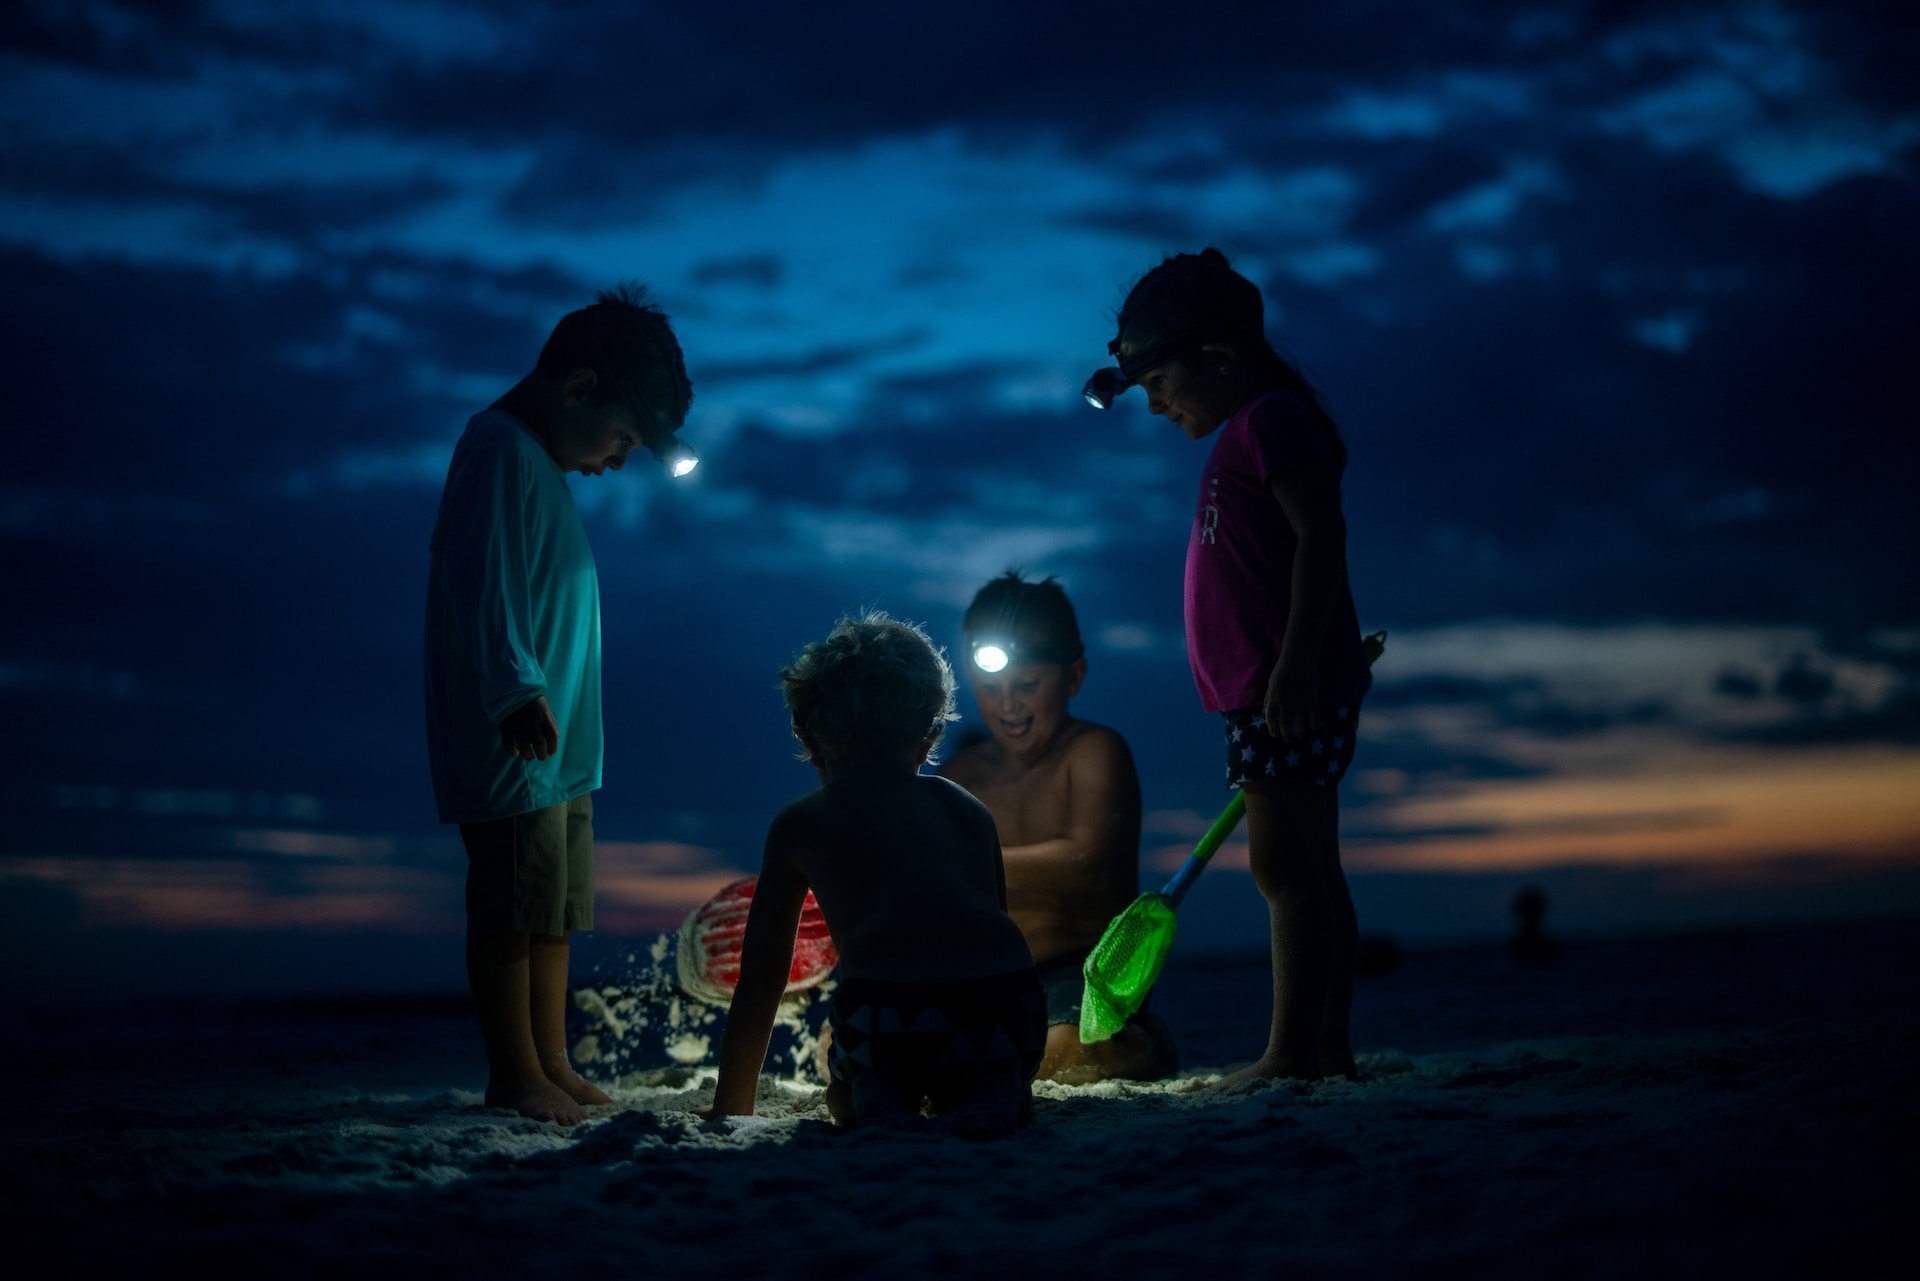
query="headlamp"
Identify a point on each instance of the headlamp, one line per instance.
(1106, 384)
(677, 454)
(1105, 387)
(997, 653)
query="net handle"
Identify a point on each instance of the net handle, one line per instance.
(1176, 889)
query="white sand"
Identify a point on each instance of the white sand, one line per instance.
(1776, 1136)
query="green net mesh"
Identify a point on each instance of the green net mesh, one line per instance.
(1122, 967)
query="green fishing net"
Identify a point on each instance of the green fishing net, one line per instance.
(1123, 966)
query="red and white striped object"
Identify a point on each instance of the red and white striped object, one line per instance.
(711, 936)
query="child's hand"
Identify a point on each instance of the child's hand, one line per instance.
(1293, 701)
(530, 732)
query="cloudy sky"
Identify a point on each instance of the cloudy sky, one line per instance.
(1615, 304)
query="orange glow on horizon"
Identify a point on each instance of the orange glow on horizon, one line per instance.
(1720, 806)
(651, 885)
(206, 894)
(1705, 805)
(332, 881)
(1624, 799)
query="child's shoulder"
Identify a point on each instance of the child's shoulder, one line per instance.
(1092, 736)
(1278, 410)
(957, 808)
(827, 804)
(1097, 747)
(945, 791)
(942, 800)
(496, 443)
(496, 430)
(807, 809)
(1279, 430)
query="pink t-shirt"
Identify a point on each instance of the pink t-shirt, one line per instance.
(1240, 563)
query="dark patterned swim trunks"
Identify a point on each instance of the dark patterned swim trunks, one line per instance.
(1319, 760)
(938, 1036)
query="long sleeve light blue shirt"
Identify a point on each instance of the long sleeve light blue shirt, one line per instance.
(513, 613)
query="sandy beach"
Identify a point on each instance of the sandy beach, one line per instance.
(1644, 1107)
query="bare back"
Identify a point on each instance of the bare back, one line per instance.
(907, 871)
(1069, 826)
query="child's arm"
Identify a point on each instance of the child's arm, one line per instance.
(482, 541)
(766, 961)
(1310, 498)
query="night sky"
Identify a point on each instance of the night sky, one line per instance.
(1615, 304)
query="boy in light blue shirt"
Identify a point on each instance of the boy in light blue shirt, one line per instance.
(513, 671)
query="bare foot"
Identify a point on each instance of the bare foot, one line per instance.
(573, 1085)
(1268, 1069)
(541, 1100)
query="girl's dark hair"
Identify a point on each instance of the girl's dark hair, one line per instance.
(628, 342)
(1202, 298)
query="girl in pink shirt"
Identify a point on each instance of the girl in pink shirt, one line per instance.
(1271, 631)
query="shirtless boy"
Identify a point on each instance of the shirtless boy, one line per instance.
(937, 1001)
(1066, 799)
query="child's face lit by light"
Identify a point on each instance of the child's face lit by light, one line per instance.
(591, 438)
(1185, 394)
(1025, 704)
(600, 440)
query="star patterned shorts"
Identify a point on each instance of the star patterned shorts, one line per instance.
(1320, 760)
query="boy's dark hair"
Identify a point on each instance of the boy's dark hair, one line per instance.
(629, 344)
(876, 689)
(1194, 298)
(1036, 615)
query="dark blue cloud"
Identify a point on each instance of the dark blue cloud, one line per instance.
(819, 360)
(761, 270)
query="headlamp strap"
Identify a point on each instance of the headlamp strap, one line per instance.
(1029, 652)
(1153, 357)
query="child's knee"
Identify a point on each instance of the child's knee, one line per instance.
(1292, 838)
(1287, 872)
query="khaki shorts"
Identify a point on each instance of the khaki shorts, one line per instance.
(532, 872)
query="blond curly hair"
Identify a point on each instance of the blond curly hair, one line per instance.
(875, 689)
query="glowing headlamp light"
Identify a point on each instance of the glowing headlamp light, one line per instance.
(990, 657)
(1105, 387)
(1106, 384)
(677, 454)
(997, 653)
